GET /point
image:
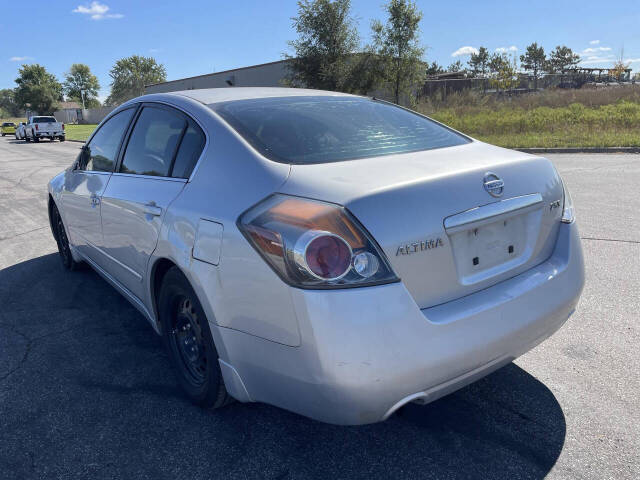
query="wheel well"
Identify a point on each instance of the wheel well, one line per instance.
(51, 206)
(160, 269)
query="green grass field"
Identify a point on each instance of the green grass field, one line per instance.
(79, 132)
(558, 118)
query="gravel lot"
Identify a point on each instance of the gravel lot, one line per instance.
(86, 390)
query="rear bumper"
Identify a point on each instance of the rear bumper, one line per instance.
(367, 351)
(49, 134)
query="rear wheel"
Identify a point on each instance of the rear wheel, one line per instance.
(62, 139)
(63, 241)
(26, 138)
(188, 339)
(36, 139)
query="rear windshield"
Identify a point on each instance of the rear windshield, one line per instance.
(8, 124)
(44, 120)
(302, 130)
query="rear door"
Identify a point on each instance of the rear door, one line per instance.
(85, 184)
(161, 151)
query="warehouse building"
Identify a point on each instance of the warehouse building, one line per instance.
(270, 74)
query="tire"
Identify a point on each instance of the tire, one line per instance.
(3, 134)
(62, 139)
(187, 337)
(27, 139)
(35, 139)
(63, 241)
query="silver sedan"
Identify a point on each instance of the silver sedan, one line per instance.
(334, 255)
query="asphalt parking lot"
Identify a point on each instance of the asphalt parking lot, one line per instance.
(86, 390)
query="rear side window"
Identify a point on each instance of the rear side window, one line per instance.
(323, 129)
(153, 142)
(189, 152)
(99, 155)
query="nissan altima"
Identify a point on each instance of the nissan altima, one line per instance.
(333, 255)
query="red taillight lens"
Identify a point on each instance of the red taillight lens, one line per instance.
(37, 127)
(327, 256)
(63, 126)
(313, 244)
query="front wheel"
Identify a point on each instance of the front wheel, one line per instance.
(62, 139)
(188, 339)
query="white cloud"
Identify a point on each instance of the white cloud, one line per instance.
(511, 49)
(594, 42)
(597, 49)
(590, 60)
(462, 51)
(97, 11)
(19, 59)
(154, 50)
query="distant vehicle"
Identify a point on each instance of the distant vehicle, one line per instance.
(8, 128)
(20, 131)
(334, 255)
(44, 127)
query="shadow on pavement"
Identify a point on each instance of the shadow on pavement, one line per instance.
(86, 391)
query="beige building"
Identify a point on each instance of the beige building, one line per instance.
(264, 75)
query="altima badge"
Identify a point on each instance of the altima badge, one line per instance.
(420, 246)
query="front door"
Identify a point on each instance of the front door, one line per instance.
(86, 182)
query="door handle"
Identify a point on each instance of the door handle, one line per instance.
(152, 209)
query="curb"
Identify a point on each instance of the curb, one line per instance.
(581, 150)
(77, 141)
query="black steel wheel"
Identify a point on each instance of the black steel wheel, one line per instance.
(188, 339)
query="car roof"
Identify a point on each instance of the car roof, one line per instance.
(225, 94)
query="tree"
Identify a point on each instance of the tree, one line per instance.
(327, 39)
(81, 85)
(619, 67)
(129, 76)
(398, 47)
(561, 58)
(504, 71)
(479, 62)
(37, 89)
(455, 67)
(8, 102)
(434, 69)
(534, 61)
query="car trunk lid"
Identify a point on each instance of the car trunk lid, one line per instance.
(443, 232)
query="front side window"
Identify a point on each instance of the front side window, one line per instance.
(99, 155)
(323, 129)
(153, 142)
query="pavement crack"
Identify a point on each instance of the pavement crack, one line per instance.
(618, 240)
(23, 233)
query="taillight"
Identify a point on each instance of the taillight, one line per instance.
(37, 127)
(63, 126)
(313, 244)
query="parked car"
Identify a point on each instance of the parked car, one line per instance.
(44, 127)
(334, 255)
(19, 134)
(7, 128)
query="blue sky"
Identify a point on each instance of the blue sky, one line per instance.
(193, 37)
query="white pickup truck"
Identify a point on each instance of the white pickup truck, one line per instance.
(43, 127)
